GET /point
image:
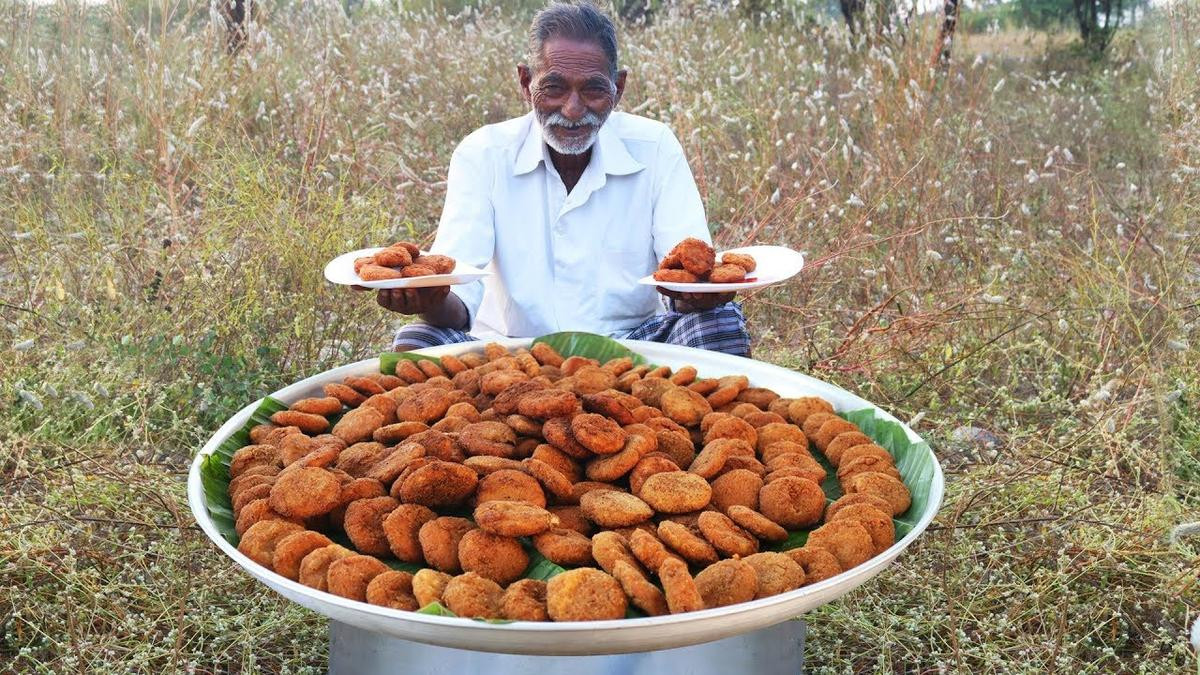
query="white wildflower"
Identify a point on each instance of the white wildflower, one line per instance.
(30, 399)
(24, 345)
(855, 201)
(195, 126)
(933, 255)
(992, 299)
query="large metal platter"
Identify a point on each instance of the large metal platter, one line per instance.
(586, 637)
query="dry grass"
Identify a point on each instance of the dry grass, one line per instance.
(1011, 245)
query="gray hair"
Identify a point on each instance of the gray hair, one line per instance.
(580, 21)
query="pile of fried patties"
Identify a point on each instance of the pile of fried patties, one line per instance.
(401, 260)
(694, 261)
(656, 489)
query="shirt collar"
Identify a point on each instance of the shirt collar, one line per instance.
(609, 149)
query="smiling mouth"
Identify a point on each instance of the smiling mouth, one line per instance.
(574, 131)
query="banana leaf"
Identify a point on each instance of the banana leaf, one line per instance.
(591, 346)
(388, 360)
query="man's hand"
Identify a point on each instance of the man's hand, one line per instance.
(435, 305)
(412, 300)
(697, 302)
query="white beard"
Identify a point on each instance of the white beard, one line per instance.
(570, 146)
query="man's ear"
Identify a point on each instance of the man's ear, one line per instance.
(525, 77)
(620, 85)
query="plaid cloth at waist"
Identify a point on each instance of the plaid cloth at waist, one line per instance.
(721, 329)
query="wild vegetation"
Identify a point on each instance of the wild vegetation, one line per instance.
(1005, 252)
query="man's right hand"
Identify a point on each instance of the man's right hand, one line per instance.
(412, 300)
(436, 305)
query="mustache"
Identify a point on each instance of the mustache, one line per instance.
(556, 119)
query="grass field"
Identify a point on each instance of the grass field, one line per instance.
(1007, 251)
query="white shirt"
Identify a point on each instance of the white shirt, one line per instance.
(566, 261)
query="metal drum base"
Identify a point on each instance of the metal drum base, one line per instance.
(778, 650)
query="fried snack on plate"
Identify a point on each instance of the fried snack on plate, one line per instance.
(364, 524)
(818, 563)
(679, 587)
(428, 586)
(393, 589)
(259, 542)
(525, 600)
(374, 272)
(792, 502)
(647, 466)
(675, 276)
(676, 492)
(290, 551)
(727, 582)
(440, 264)
(439, 484)
(585, 594)
(608, 547)
(393, 256)
(687, 542)
(316, 564)
(306, 492)
(684, 406)
(876, 522)
(881, 485)
(349, 576)
(259, 510)
(417, 271)
(856, 498)
(439, 539)
(324, 406)
(756, 523)
(647, 548)
(402, 527)
(694, 256)
(846, 539)
(737, 487)
(513, 519)
(800, 408)
(777, 573)
(473, 596)
(742, 260)
(644, 595)
(727, 274)
(563, 546)
(510, 485)
(725, 535)
(499, 558)
(609, 508)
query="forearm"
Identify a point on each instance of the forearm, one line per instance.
(449, 313)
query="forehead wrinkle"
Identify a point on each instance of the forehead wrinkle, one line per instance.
(574, 60)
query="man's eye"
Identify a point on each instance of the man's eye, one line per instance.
(552, 89)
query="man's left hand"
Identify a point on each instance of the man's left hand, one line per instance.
(697, 302)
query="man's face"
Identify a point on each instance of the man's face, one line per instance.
(571, 93)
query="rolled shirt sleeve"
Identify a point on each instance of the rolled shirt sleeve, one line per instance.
(678, 209)
(467, 230)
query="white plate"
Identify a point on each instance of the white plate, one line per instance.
(774, 264)
(581, 637)
(340, 270)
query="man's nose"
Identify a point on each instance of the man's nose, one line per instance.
(574, 108)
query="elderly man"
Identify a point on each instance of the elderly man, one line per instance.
(568, 206)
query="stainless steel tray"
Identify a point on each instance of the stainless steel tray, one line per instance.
(586, 637)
